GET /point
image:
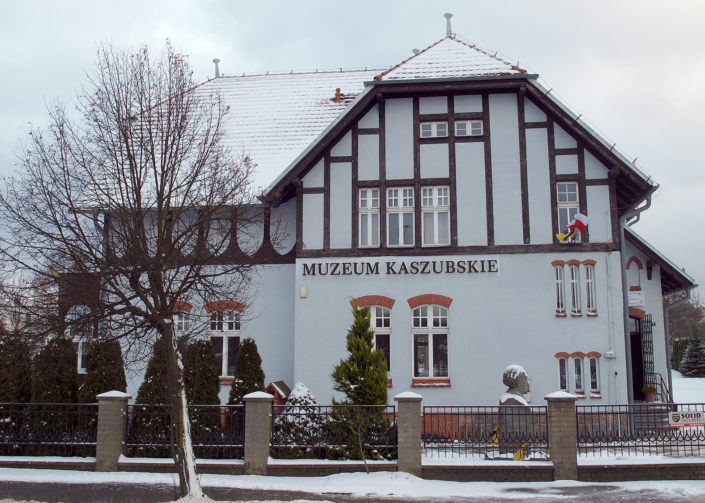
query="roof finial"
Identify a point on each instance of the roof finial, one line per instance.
(217, 71)
(448, 15)
(415, 51)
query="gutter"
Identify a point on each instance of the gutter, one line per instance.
(668, 335)
(625, 287)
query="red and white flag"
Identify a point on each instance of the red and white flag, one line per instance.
(579, 222)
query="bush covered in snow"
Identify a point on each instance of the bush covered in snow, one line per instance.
(300, 426)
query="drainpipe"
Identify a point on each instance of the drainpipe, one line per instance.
(625, 286)
(668, 334)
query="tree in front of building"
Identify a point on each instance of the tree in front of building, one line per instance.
(152, 391)
(201, 374)
(105, 370)
(680, 345)
(693, 363)
(55, 376)
(15, 369)
(249, 376)
(300, 423)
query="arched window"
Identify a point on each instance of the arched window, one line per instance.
(560, 289)
(574, 290)
(578, 374)
(224, 331)
(594, 374)
(430, 331)
(381, 323)
(590, 296)
(563, 374)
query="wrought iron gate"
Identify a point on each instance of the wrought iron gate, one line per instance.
(647, 350)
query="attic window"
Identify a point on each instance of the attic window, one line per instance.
(468, 128)
(434, 129)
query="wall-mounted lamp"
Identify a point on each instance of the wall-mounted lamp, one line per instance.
(304, 292)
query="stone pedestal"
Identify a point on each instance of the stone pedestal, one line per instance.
(112, 411)
(562, 435)
(515, 428)
(258, 431)
(409, 432)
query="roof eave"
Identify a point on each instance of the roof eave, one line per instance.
(452, 79)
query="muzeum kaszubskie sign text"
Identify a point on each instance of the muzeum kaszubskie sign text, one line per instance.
(476, 266)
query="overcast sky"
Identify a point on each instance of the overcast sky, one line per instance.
(634, 69)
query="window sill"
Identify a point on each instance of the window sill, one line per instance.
(580, 394)
(576, 315)
(227, 380)
(561, 315)
(595, 395)
(435, 246)
(430, 383)
(592, 315)
(389, 382)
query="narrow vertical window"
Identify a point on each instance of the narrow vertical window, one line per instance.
(225, 337)
(368, 211)
(590, 301)
(563, 374)
(560, 294)
(400, 217)
(435, 216)
(381, 321)
(574, 290)
(568, 204)
(578, 362)
(594, 375)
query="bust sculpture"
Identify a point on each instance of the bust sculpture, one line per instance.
(516, 380)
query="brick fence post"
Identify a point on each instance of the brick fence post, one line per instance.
(409, 432)
(562, 435)
(258, 431)
(112, 411)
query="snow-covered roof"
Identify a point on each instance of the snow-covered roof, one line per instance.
(274, 117)
(449, 58)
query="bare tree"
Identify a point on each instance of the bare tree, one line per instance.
(131, 201)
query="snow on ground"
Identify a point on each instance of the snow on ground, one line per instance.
(688, 389)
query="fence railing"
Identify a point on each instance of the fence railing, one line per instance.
(642, 430)
(491, 432)
(217, 432)
(48, 429)
(334, 432)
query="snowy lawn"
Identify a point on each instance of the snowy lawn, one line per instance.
(688, 389)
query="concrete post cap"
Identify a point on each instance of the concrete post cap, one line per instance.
(114, 395)
(408, 396)
(258, 396)
(560, 396)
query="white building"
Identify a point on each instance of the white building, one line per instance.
(433, 191)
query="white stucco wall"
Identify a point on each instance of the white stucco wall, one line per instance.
(399, 138)
(539, 185)
(341, 205)
(471, 188)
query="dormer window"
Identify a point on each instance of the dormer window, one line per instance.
(468, 128)
(434, 129)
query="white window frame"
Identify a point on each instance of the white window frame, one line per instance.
(559, 289)
(385, 327)
(579, 389)
(435, 200)
(400, 202)
(567, 206)
(369, 211)
(596, 389)
(80, 339)
(574, 290)
(590, 292)
(563, 375)
(471, 128)
(434, 133)
(225, 324)
(435, 325)
(182, 321)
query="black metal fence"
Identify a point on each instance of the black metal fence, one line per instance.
(643, 429)
(217, 432)
(48, 429)
(334, 432)
(513, 432)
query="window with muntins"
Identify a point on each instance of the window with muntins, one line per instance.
(590, 300)
(563, 374)
(468, 128)
(568, 204)
(594, 375)
(381, 322)
(560, 293)
(400, 216)
(225, 337)
(434, 129)
(369, 218)
(435, 216)
(430, 333)
(578, 368)
(574, 290)
(182, 321)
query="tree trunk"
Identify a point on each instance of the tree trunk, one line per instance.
(181, 426)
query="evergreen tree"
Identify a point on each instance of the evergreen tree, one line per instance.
(105, 370)
(680, 344)
(693, 363)
(249, 376)
(363, 375)
(55, 378)
(153, 388)
(15, 369)
(201, 374)
(299, 425)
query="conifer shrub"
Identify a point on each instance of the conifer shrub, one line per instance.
(693, 363)
(202, 384)
(249, 376)
(105, 370)
(299, 424)
(678, 352)
(55, 376)
(363, 432)
(15, 369)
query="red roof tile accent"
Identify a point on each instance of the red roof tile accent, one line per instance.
(636, 313)
(573, 262)
(224, 305)
(589, 262)
(595, 354)
(184, 307)
(429, 298)
(558, 262)
(372, 300)
(562, 354)
(634, 259)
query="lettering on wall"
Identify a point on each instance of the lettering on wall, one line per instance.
(401, 267)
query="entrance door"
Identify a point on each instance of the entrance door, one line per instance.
(637, 360)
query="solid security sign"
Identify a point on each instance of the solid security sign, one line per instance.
(686, 419)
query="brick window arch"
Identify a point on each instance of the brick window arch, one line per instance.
(224, 305)
(429, 298)
(373, 300)
(184, 307)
